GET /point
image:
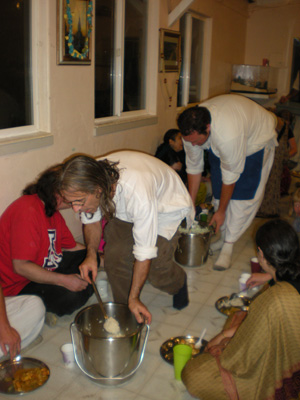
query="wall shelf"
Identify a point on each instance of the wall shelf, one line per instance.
(254, 81)
(253, 95)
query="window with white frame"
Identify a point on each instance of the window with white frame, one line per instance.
(126, 61)
(24, 91)
(192, 87)
(15, 67)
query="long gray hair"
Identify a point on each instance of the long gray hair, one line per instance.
(85, 174)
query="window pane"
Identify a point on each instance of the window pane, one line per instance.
(104, 50)
(196, 60)
(15, 66)
(189, 88)
(180, 83)
(135, 55)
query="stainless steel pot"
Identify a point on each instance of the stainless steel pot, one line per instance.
(192, 249)
(105, 359)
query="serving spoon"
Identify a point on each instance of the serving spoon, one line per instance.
(99, 299)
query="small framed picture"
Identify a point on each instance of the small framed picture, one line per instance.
(170, 50)
(74, 28)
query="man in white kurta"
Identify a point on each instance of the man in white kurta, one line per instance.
(150, 203)
(21, 320)
(241, 138)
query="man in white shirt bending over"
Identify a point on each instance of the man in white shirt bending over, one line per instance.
(240, 136)
(144, 201)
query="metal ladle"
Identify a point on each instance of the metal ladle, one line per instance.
(99, 298)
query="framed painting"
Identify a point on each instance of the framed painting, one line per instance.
(74, 28)
(170, 51)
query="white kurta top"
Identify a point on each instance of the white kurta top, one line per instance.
(239, 127)
(150, 195)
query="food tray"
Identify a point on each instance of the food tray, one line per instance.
(8, 369)
(166, 349)
(228, 305)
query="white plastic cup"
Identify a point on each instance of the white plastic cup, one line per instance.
(242, 281)
(68, 354)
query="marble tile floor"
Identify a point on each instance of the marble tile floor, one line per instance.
(154, 380)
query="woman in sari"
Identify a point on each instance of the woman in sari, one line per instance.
(257, 355)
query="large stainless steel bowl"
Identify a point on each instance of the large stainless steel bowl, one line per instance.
(102, 357)
(192, 249)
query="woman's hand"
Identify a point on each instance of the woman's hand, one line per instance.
(258, 279)
(215, 341)
(216, 345)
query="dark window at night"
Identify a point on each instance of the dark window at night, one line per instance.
(104, 48)
(15, 66)
(120, 56)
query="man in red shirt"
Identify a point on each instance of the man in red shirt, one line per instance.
(38, 254)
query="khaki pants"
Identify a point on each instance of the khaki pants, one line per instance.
(164, 273)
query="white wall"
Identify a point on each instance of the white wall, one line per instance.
(270, 33)
(72, 100)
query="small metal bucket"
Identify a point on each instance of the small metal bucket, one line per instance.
(105, 359)
(193, 248)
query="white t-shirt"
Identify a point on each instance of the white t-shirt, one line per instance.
(239, 127)
(150, 195)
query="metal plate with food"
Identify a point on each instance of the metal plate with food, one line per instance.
(238, 301)
(166, 349)
(227, 305)
(22, 375)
